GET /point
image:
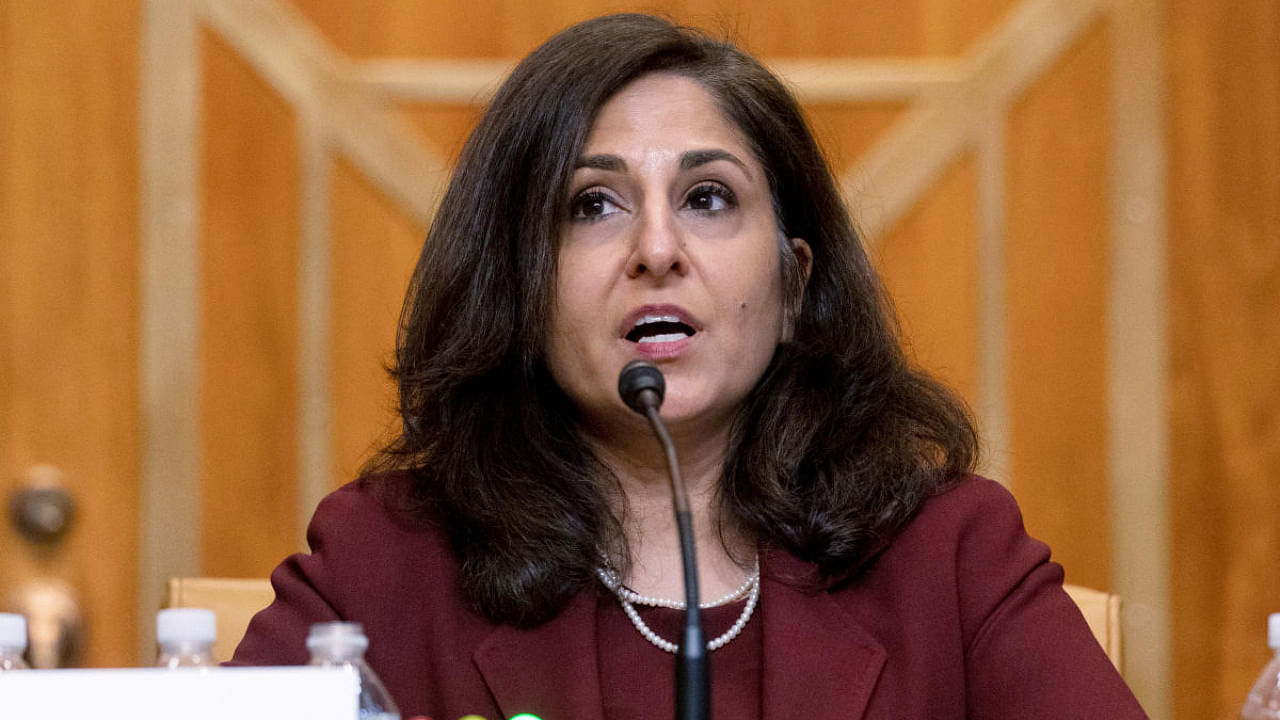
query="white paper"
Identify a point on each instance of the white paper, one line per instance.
(278, 693)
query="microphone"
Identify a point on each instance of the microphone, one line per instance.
(643, 388)
(641, 385)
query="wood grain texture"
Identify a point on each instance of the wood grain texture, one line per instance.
(929, 263)
(846, 130)
(442, 126)
(250, 258)
(374, 250)
(1057, 250)
(68, 277)
(1225, 354)
(802, 28)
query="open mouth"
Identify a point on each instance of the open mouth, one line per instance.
(659, 329)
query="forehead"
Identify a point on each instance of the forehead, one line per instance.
(663, 110)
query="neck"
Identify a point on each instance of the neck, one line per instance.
(642, 499)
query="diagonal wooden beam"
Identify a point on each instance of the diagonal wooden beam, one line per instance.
(899, 169)
(353, 118)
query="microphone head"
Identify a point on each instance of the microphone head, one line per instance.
(641, 384)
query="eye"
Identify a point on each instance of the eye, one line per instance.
(711, 197)
(592, 205)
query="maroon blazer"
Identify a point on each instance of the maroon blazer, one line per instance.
(961, 616)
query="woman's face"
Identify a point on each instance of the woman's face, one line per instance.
(670, 253)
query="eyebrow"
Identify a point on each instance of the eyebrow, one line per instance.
(601, 162)
(695, 158)
(688, 161)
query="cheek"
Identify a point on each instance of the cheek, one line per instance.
(761, 299)
(575, 318)
(565, 336)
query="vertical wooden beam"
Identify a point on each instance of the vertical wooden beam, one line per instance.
(1138, 445)
(169, 357)
(315, 406)
(993, 317)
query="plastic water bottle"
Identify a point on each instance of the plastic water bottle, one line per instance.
(342, 644)
(13, 642)
(186, 636)
(1263, 702)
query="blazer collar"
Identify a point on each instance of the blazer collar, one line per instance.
(818, 661)
(550, 671)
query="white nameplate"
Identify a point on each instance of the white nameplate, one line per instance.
(277, 693)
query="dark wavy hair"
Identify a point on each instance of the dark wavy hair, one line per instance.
(838, 444)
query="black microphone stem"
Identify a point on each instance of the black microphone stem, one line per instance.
(693, 660)
(680, 500)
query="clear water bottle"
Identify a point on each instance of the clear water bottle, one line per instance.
(13, 642)
(185, 637)
(342, 644)
(1263, 702)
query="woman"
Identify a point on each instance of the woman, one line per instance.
(637, 190)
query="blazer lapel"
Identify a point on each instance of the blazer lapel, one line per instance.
(550, 671)
(818, 661)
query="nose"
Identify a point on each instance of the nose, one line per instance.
(659, 246)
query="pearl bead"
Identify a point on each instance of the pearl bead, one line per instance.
(628, 599)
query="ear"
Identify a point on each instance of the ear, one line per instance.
(805, 257)
(795, 294)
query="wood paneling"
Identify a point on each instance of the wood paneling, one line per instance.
(929, 263)
(1225, 354)
(374, 249)
(1057, 254)
(847, 130)
(249, 344)
(68, 300)
(443, 126)
(511, 28)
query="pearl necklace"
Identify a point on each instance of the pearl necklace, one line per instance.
(629, 598)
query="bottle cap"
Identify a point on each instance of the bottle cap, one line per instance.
(189, 624)
(13, 631)
(1273, 631)
(345, 636)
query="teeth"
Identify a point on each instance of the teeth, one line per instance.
(656, 318)
(669, 337)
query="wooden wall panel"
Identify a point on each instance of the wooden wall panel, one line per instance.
(374, 250)
(1058, 244)
(250, 265)
(929, 263)
(68, 299)
(1225, 354)
(807, 28)
(847, 130)
(443, 126)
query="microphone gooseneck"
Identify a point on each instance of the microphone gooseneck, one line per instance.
(643, 388)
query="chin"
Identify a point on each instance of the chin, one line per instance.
(687, 412)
